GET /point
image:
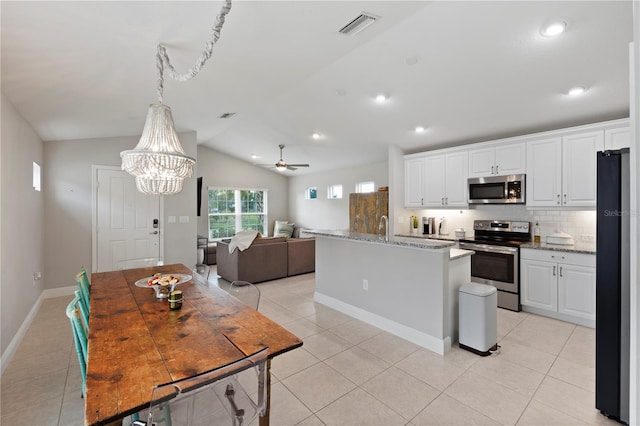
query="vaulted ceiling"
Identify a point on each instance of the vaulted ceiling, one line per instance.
(466, 71)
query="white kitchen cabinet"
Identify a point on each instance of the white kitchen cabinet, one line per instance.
(559, 284)
(446, 180)
(507, 159)
(561, 171)
(617, 138)
(544, 172)
(414, 182)
(438, 180)
(579, 177)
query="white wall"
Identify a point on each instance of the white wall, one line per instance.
(67, 188)
(21, 222)
(221, 170)
(324, 213)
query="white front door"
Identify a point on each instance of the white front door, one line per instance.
(126, 221)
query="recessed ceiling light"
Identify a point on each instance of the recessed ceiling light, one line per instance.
(576, 91)
(420, 129)
(381, 97)
(412, 60)
(316, 135)
(254, 156)
(553, 29)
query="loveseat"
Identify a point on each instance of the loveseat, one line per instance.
(267, 259)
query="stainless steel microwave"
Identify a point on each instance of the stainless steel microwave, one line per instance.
(508, 189)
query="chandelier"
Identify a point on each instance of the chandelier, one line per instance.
(158, 161)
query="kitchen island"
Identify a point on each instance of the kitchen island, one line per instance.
(406, 286)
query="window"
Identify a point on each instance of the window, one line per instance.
(234, 210)
(311, 193)
(36, 176)
(364, 187)
(334, 192)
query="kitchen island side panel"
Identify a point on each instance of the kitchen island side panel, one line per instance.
(406, 285)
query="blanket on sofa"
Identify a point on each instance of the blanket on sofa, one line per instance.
(242, 240)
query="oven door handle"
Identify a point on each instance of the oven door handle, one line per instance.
(489, 248)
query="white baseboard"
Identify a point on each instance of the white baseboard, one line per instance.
(562, 317)
(434, 344)
(15, 342)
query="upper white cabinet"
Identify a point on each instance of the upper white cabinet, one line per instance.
(446, 180)
(507, 159)
(617, 138)
(414, 182)
(438, 180)
(561, 171)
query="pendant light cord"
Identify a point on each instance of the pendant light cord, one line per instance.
(163, 61)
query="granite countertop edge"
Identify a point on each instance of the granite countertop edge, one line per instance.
(398, 240)
(576, 248)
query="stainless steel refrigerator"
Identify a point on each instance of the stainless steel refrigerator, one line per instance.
(612, 285)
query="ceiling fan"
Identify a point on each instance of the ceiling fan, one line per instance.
(281, 165)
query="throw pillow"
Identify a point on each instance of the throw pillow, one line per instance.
(283, 229)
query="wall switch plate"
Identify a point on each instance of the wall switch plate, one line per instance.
(400, 219)
(365, 284)
(171, 219)
(184, 219)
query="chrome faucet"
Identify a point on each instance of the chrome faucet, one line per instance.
(384, 219)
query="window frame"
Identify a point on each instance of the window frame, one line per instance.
(238, 215)
(359, 186)
(330, 191)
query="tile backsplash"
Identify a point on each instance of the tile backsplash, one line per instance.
(580, 224)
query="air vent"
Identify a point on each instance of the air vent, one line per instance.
(359, 23)
(227, 115)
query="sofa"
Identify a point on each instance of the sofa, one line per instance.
(267, 259)
(210, 256)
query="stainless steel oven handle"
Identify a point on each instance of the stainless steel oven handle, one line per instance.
(489, 248)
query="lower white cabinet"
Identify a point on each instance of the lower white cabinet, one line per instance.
(561, 284)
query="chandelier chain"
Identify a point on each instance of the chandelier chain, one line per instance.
(163, 61)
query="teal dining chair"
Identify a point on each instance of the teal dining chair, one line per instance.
(84, 285)
(80, 330)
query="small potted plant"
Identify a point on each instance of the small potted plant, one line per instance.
(414, 225)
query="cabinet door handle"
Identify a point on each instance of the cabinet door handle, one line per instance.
(492, 170)
(558, 202)
(422, 201)
(497, 169)
(561, 271)
(446, 200)
(565, 198)
(554, 271)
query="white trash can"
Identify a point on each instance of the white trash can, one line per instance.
(478, 319)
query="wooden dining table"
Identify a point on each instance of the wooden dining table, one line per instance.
(136, 341)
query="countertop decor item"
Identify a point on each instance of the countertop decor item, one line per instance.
(158, 161)
(163, 284)
(560, 238)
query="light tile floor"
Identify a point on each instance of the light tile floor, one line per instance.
(350, 373)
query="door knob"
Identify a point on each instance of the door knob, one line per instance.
(153, 233)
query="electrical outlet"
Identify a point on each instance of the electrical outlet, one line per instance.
(365, 284)
(36, 277)
(587, 238)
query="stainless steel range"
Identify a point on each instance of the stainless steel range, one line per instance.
(497, 257)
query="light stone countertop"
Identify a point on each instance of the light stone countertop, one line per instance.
(456, 253)
(397, 240)
(578, 247)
